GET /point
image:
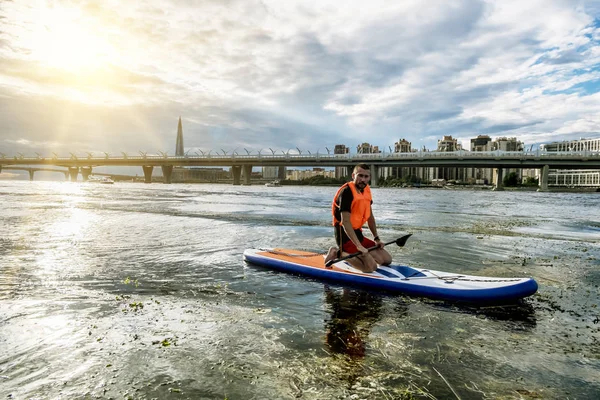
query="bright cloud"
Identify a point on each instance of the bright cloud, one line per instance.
(113, 76)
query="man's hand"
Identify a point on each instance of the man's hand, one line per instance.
(362, 249)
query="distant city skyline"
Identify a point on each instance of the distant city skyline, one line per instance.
(114, 76)
(479, 174)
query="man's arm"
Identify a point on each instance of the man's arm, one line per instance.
(373, 228)
(347, 225)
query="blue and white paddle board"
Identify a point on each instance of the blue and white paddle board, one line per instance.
(397, 278)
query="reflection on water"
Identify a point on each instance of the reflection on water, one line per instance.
(353, 312)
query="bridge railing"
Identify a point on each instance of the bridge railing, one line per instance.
(460, 154)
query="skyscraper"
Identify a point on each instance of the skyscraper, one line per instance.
(179, 145)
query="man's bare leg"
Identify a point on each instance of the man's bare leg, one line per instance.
(365, 263)
(332, 254)
(381, 256)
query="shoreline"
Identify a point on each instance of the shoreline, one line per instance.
(427, 187)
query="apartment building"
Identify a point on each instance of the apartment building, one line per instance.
(573, 177)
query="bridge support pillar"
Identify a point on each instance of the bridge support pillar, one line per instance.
(236, 171)
(281, 173)
(31, 174)
(86, 172)
(374, 175)
(498, 177)
(167, 171)
(73, 171)
(147, 173)
(247, 172)
(543, 185)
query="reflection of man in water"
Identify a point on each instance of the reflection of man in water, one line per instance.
(353, 312)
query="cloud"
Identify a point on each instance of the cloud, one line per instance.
(271, 74)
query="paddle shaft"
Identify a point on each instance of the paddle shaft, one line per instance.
(400, 242)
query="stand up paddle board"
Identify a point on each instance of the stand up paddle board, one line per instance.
(397, 278)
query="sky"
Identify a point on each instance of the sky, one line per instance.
(114, 76)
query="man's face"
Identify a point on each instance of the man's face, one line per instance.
(361, 178)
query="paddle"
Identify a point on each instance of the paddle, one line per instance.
(400, 242)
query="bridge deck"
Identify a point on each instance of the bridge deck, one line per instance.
(466, 159)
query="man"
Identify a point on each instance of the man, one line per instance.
(351, 208)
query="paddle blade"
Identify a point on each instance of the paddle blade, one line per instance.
(402, 241)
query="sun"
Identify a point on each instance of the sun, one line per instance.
(65, 39)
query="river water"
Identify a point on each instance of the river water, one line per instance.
(140, 291)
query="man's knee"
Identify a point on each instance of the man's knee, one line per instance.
(383, 258)
(387, 260)
(371, 264)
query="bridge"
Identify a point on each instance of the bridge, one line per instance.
(32, 170)
(66, 172)
(241, 165)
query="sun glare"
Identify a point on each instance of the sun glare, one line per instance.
(63, 39)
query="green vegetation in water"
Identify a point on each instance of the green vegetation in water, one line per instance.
(166, 342)
(128, 281)
(136, 306)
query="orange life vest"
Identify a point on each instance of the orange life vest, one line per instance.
(360, 210)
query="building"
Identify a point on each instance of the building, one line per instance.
(573, 145)
(366, 148)
(574, 177)
(402, 146)
(507, 144)
(341, 172)
(179, 150)
(481, 176)
(200, 174)
(485, 143)
(447, 144)
(481, 143)
(298, 175)
(274, 172)
(179, 174)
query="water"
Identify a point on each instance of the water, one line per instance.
(139, 291)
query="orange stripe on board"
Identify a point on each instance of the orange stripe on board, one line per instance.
(305, 258)
(317, 261)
